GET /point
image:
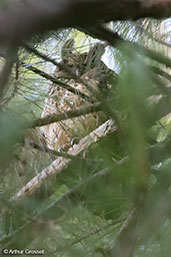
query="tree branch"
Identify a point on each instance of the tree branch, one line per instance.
(56, 81)
(24, 20)
(67, 115)
(158, 107)
(9, 61)
(63, 67)
(104, 33)
(160, 72)
(60, 163)
(156, 154)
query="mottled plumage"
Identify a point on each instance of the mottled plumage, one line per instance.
(61, 135)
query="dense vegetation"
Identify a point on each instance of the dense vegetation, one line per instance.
(108, 193)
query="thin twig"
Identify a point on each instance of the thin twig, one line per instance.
(62, 66)
(104, 33)
(56, 81)
(161, 72)
(61, 163)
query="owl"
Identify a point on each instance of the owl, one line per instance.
(90, 69)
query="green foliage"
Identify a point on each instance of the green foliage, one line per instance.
(108, 200)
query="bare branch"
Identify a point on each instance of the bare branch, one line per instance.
(67, 115)
(104, 33)
(61, 163)
(56, 81)
(24, 20)
(157, 104)
(61, 65)
(156, 152)
(9, 60)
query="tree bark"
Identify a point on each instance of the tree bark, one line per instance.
(24, 20)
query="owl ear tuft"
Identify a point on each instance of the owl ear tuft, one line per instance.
(67, 49)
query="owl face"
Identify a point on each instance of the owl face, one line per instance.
(81, 63)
